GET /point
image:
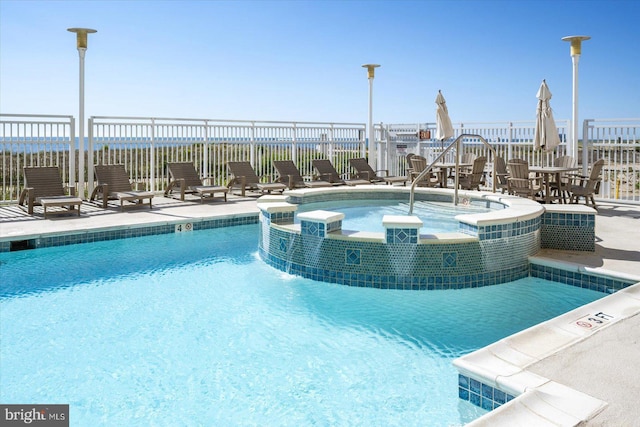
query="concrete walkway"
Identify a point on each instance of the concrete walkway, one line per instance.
(605, 366)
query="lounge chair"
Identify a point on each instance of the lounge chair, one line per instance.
(244, 177)
(364, 171)
(113, 183)
(185, 177)
(520, 183)
(43, 186)
(327, 172)
(587, 186)
(291, 177)
(472, 180)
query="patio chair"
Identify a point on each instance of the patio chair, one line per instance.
(365, 171)
(185, 177)
(587, 186)
(244, 177)
(501, 174)
(465, 158)
(418, 165)
(472, 180)
(409, 167)
(113, 183)
(561, 184)
(327, 172)
(520, 183)
(291, 177)
(43, 186)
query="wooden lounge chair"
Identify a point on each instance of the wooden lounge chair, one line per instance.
(43, 186)
(472, 180)
(185, 178)
(290, 176)
(520, 183)
(113, 183)
(327, 172)
(244, 177)
(364, 171)
(587, 186)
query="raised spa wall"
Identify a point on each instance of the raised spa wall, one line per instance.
(487, 249)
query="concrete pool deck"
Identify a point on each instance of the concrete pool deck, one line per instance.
(605, 366)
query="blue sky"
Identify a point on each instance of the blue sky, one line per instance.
(301, 60)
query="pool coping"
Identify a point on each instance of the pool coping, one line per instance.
(542, 401)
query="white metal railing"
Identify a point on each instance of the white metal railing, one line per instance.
(618, 142)
(145, 145)
(510, 140)
(35, 140)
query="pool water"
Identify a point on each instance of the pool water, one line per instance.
(193, 329)
(366, 215)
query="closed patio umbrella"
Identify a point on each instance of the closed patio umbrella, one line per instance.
(546, 134)
(444, 128)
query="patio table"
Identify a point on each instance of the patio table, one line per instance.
(547, 172)
(444, 167)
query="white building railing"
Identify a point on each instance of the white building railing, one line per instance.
(510, 140)
(144, 145)
(34, 140)
(618, 142)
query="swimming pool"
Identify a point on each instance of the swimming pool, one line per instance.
(366, 215)
(192, 328)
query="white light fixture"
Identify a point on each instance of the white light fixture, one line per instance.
(576, 44)
(81, 40)
(373, 152)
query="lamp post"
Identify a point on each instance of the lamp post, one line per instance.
(81, 39)
(576, 44)
(373, 152)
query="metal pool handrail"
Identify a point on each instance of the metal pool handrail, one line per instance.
(455, 143)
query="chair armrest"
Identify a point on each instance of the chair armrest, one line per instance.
(364, 175)
(103, 189)
(27, 195)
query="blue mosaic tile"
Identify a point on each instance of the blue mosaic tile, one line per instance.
(475, 399)
(449, 259)
(352, 257)
(402, 235)
(90, 236)
(480, 394)
(583, 280)
(463, 393)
